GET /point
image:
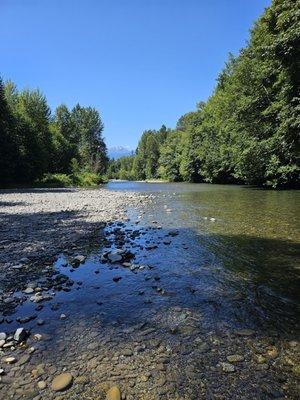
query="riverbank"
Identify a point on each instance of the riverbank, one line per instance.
(112, 288)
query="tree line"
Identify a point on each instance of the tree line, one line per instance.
(248, 129)
(38, 147)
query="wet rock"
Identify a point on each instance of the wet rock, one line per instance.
(113, 393)
(117, 278)
(79, 259)
(40, 322)
(114, 257)
(28, 290)
(62, 316)
(3, 336)
(20, 335)
(2, 342)
(62, 382)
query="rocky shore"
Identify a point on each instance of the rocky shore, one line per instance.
(100, 303)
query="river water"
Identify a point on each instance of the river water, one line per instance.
(251, 236)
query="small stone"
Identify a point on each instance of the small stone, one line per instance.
(79, 259)
(235, 358)
(114, 257)
(3, 335)
(42, 385)
(113, 393)
(2, 342)
(62, 382)
(272, 352)
(40, 322)
(117, 278)
(244, 332)
(127, 352)
(259, 359)
(62, 316)
(28, 290)
(226, 367)
(10, 360)
(1, 371)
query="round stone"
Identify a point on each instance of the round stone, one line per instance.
(113, 393)
(62, 382)
(42, 385)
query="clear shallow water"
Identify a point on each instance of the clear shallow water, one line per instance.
(254, 238)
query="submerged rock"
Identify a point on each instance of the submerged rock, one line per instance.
(114, 257)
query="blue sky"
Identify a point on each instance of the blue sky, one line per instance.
(141, 63)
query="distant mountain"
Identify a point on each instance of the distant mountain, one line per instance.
(119, 151)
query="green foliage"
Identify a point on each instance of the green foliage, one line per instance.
(54, 180)
(80, 179)
(248, 130)
(35, 146)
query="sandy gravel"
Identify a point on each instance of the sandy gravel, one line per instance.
(38, 223)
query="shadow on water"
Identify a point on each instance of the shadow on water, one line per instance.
(207, 274)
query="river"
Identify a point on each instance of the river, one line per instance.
(199, 300)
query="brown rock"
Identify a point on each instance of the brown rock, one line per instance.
(62, 382)
(113, 393)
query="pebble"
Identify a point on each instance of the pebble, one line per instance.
(28, 290)
(62, 382)
(226, 367)
(10, 360)
(3, 335)
(113, 393)
(41, 385)
(235, 358)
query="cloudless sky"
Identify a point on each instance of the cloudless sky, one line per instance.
(141, 63)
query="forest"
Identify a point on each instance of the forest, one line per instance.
(36, 147)
(248, 130)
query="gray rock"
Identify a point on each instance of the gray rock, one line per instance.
(20, 334)
(226, 367)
